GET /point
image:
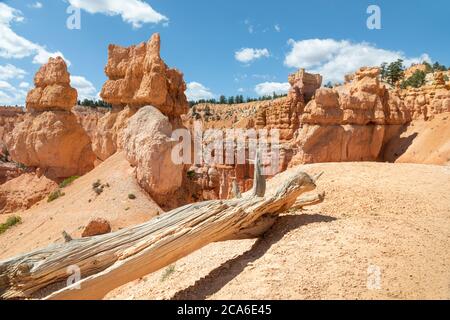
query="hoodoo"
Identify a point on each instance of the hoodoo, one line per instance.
(50, 137)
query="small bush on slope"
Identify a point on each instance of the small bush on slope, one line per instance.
(169, 270)
(68, 181)
(55, 195)
(12, 221)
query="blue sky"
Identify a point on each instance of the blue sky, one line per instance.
(223, 47)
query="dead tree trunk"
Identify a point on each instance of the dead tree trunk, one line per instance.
(109, 261)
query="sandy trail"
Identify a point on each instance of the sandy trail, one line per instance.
(392, 218)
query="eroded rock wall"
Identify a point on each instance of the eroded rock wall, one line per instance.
(361, 120)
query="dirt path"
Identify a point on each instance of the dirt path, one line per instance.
(382, 225)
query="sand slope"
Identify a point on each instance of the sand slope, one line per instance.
(43, 223)
(392, 217)
(422, 142)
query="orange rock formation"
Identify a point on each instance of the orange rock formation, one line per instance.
(53, 90)
(50, 137)
(138, 77)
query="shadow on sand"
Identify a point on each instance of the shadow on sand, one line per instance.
(396, 147)
(220, 276)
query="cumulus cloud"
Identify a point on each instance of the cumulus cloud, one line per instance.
(24, 85)
(268, 88)
(247, 55)
(36, 5)
(277, 28)
(5, 85)
(15, 46)
(11, 72)
(334, 59)
(43, 56)
(10, 95)
(136, 12)
(196, 91)
(85, 88)
(249, 25)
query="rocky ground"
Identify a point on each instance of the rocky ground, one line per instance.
(395, 217)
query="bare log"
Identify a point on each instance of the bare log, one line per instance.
(308, 200)
(259, 181)
(236, 193)
(109, 261)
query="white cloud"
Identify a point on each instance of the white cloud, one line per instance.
(277, 28)
(241, 90)
(9, 95)
(11, 72)
(43, 56)
(268, 88)
(24, 85)
(196, 91)
(36, 5)
(250, 27)
(14, 46)
(247, 55)
(136, 12)
(334, 59)
(5, 85)
(85, 88)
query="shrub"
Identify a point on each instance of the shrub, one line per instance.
(131, 196)
(98, 190)
(166, 274)
(68, 181)
(416, 80)
(190, 174)
(11, 221)
(21, 166)
(55, 195)
(96, 184)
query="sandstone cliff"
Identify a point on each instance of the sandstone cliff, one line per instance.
(282, 114)
(355, 121)
(361, 120)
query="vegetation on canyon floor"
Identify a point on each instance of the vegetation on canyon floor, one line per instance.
(68, 181)
(10, 222)
(55, 195)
